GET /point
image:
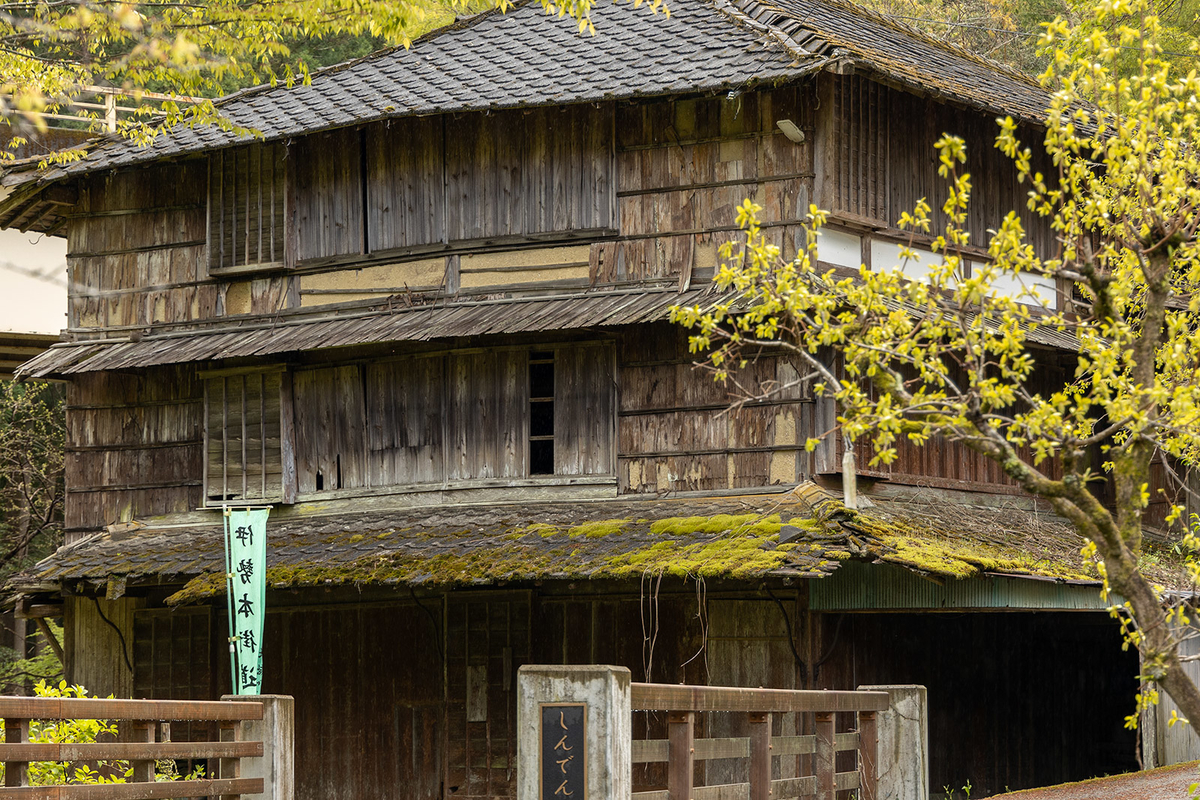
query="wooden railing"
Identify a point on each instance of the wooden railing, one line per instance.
(681, 749)
(145, 718)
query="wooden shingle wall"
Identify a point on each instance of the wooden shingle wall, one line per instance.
(683, 168)
(134, 446)
(675, 432)
(137, 254)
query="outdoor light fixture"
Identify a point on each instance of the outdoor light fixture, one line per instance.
(791, 130)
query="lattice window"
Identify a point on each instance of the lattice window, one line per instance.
(243, 460)
(246, 217)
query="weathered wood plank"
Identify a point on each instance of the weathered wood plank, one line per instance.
(657, 696)
(140, 791)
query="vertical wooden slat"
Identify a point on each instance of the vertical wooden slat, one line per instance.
(143, 770)
(868, 755)
(681, 734)
(220, 156)
(823, 760)
(287, 437)
(245, 436)
(233, 206)
(224, 438)
(760, 756)
(262, 151)
(16, 773)
(231, 767)
(262, 429)
(206, 444)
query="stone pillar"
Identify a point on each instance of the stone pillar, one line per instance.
(603, 693)
(277, 731)
(903, 743)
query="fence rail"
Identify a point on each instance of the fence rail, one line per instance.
(680, 750)
(145, 718)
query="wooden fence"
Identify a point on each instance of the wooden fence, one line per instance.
(681, 749)
(145, 718)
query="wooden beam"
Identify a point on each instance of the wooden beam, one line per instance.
(100, 708)
(140, 791)
(669, 697)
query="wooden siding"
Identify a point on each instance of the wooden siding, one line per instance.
(330, 428)
(134, 446)
(405, 434)
(878, 159)
(406, 189)
(683, 167)
(137, 254)
(431, 685)
(95, 631)
(437, 417)
(328, 195)
(675, 432)
(487, 639)
(487, 398)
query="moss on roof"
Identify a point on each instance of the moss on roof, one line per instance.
(806, 532)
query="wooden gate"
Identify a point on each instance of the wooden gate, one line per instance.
(680, 750)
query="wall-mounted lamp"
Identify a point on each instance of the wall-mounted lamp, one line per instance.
(791, 130)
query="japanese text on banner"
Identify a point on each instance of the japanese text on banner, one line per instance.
(246, 558)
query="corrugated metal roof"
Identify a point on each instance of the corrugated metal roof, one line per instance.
(412, 324)
(860, 587)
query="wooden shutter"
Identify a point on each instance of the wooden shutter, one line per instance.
(406, 190)
(530, 174)
(488, 415)
(246, 206)
(329, 209)
(242, 438)
(330, 429)
(584, 411)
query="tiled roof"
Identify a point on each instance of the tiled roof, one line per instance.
(498, 60)
(527, 58)
(899, 53)
(806, 532)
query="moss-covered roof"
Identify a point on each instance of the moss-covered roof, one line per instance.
(806, 532)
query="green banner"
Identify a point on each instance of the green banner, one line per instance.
(245, 568)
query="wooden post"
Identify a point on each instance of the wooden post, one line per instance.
(231, 767)
(681, 735)
(868, 755)
(760, 756)
(824, 756)
(16, 773)
(143, 770)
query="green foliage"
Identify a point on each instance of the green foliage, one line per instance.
(82, 731)
(53, 51)
(950, 356)
(43, 667)
(32, 438)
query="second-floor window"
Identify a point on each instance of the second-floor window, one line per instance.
(487, 417)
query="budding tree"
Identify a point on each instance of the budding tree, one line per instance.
(948, 356)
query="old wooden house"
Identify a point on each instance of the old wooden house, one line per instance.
(423, 318)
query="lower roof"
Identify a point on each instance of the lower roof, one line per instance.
(286, 333)
(802, 533)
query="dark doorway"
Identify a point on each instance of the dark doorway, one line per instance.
(1016, 700)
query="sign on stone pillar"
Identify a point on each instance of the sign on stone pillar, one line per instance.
(563, 735)
(574, 733)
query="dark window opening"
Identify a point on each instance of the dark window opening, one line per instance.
(541, 412)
